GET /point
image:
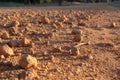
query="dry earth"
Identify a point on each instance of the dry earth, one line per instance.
(49, 34)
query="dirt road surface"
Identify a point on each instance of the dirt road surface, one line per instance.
(50, 31)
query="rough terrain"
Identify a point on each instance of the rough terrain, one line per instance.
(50, 34)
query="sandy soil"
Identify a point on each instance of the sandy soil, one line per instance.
(100, 60)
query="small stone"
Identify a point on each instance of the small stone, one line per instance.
(5, 35)
(88, 17)
(76, 31)
(113, 24)
(25, 42)
(88, 43)
(52, 58)
(90, 56)
(15, 24)
(57, 49)
(13, 30)
(0, 40)
(28, 61)
(46, 20)
(32, 51)
(77, 38)
(2, 56)
(13, 43)
(82, 24)
(74, 51)
(6, 50)
(78, 70)
(45, 53)
(54, 25)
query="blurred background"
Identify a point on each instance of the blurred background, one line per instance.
(50, 2)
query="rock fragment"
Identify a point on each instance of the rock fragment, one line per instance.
(77, 38)
(25, 42)
(27, 61)
(46, 20)
(52, 58)
(45, 53)
(113, 24)
(82, 24)
(13, 30)
(74, 51)
(15, 24)
(2, 57)
(90, 56)
(6, 50)
(13, 43)
(5, 35)
(76, 31)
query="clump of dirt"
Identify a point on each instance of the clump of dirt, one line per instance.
(5, 50)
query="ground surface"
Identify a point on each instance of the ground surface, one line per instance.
(98, 61)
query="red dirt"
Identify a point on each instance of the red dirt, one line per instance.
(100, 60)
